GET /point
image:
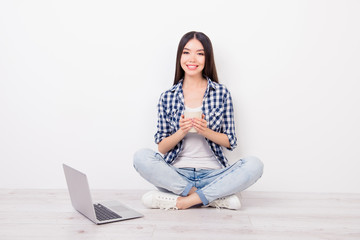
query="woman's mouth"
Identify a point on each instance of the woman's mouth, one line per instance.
(192, 67)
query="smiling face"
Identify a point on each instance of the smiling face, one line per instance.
(193, 58)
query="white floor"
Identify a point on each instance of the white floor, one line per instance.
(48, 214)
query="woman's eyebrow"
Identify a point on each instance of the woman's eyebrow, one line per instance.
(196, 50)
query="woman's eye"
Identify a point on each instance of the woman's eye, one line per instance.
(201, 54)
(185, 52)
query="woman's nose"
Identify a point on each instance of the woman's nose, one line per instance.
(192, 57)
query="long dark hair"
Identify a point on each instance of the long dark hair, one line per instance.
(209, 69)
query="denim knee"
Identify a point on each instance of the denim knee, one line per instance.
(255, 165)
(141, 157)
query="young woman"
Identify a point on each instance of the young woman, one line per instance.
(192, 169)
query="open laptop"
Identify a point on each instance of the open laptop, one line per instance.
(99, 213)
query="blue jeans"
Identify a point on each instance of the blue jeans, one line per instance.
(210, 184)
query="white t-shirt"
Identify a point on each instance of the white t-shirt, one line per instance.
(196, 152)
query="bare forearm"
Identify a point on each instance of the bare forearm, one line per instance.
(170, 142)
(216, 137)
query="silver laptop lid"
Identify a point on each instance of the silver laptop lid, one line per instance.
(79, 192)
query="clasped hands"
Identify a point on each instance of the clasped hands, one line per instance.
(200, 125)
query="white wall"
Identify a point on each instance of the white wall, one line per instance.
(80, 80)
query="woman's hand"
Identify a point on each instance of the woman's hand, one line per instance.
(170, 142)
(185, 124)
(200, 125)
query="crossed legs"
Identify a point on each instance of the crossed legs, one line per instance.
(213, 184)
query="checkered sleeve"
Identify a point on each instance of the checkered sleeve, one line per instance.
(228, 124)
(163, 125)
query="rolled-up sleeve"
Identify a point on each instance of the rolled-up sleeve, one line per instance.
(163, 128)
(228, 124)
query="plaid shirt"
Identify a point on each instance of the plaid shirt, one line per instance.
(219, 114)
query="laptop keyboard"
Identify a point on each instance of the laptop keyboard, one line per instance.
(103, 213)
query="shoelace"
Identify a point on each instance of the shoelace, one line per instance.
(166, 203)
(220, 203)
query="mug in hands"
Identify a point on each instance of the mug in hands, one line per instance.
(192, 114)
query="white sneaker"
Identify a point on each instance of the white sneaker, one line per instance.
(229, 202)
(162, 200)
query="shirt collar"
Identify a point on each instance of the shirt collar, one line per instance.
(177, 87)
(211, 83)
